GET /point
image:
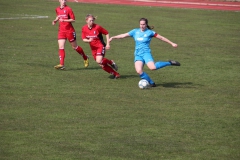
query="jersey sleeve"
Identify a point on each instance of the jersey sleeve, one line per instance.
(71, 14)
(153, 33)
(132, 32)
(102, 30)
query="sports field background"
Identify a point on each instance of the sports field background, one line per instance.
(193, 113)
(194, 4)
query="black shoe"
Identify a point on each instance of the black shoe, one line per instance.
(153, 85)
(174, 63)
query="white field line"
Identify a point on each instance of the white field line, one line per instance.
(189, 3)
(26, 17)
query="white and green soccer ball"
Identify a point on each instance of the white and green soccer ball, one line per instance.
(143, 84)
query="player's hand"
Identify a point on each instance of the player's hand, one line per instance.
(61, 20)
(90, 39)
(54, 22)
(107, 46)
(110, 39)
(174, 45)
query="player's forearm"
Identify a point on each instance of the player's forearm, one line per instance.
(164, 39)
(56, 19)
(168, 41)
(70, 20)
(119, 36)
(107, 39)
(67, 20)
(86, 40)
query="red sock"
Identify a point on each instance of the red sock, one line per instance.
(61, 56)
(81, 52)
(109, 69)
(106, 61)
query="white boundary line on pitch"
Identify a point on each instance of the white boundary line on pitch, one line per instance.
(27, 17)
(189, 3)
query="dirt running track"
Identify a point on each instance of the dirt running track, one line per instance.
(195, 4)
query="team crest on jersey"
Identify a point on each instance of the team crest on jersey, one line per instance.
(145, 35)
(94, 32)
(64, 11)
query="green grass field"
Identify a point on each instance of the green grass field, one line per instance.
(79, 113)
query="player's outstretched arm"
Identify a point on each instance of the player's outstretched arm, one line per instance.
(166, 40)
(119, 36)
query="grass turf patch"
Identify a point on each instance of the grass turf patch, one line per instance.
(193, 113)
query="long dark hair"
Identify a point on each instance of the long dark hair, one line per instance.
(146, 21)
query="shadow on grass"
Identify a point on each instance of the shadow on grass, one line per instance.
(89, 68)
(179, 85)
(124, 76)
(67, 68)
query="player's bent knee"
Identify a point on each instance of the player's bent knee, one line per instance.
(139, 72)
(152, 68)
(100, 64)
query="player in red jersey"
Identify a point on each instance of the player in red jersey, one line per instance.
(92, 34)
(66, 17)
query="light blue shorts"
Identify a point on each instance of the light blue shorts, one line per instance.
(145, 58)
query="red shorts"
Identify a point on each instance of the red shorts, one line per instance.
(71, 36)
(98, 51)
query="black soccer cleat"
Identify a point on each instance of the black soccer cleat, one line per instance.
(153, 85)
(174, 63)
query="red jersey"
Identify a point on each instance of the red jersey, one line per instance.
(96, 33)
(65, 13)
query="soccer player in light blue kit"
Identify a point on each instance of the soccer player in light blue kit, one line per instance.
(142, 37)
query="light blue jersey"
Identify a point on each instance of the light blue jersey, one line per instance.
(142, 40)
(143, 52)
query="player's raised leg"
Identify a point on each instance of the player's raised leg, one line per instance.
(162, 64)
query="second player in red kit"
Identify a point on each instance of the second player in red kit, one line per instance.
(92, 34)
(65, 16)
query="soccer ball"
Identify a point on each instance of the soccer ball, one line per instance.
(143, 84)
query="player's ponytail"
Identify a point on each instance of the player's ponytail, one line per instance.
(146, 21)
(90, 15)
